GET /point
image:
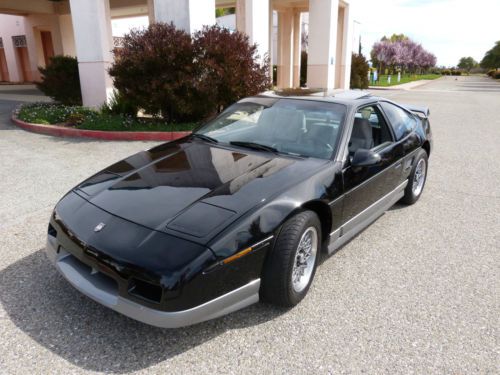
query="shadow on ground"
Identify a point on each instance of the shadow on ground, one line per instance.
(45, 307)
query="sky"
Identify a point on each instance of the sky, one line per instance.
(448, 28)
(121, 26)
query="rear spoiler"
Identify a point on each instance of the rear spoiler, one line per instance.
(418, 110)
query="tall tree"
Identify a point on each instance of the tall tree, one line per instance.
(491, 59)
(467, 63)
(400, 51)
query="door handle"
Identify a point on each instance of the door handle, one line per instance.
(398, 165)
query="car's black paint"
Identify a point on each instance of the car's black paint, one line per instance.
(174, 212)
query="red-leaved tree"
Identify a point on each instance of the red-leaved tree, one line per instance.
(229, 66)
(167, 73)
(154, 69)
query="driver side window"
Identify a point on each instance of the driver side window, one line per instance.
(369, 130)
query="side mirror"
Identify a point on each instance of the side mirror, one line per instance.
(365, 158)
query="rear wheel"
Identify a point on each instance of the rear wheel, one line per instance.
(291, 265)
(417, 178)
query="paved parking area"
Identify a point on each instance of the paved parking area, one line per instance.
(416, 292)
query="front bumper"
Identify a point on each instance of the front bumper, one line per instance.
(104, 290)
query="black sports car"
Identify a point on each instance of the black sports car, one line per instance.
(240, 210)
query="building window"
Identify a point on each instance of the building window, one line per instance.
(117, 42)
(19, 41)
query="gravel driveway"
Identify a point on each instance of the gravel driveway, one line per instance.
(416, 292)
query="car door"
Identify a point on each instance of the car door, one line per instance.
(365, 186)
(403, 124)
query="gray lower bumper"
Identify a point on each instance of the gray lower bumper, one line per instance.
(93, 286)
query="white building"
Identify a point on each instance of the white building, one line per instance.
(82, 28)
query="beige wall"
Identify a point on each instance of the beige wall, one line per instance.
(67, 35)
(34, 24)
(9, 27)
(30, 26)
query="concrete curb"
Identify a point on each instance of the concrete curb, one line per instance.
(59, 131)
(404, 86)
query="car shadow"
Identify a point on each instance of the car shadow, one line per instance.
(54, 314)
(398, 206)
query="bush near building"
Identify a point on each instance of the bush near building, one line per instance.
(154, 69)
(359, 72)
(181, 78)
(303, 68)
(61, 81)
(228, 68)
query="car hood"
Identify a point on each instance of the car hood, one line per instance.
(192, 188)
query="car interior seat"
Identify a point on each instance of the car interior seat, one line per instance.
(362, 135)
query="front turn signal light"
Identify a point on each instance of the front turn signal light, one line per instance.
(238, 255)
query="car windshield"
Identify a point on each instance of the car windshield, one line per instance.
(290, 126)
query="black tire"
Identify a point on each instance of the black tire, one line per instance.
(277, 287)
(411, 196)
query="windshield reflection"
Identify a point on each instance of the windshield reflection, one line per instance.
(292, 126)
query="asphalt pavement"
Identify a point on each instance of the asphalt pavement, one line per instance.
(416, 292)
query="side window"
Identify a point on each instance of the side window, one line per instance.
(401, 121)
(369, 130)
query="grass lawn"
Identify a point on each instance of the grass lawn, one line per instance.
(405, 78)
(85, 118)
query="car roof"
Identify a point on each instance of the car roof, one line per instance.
(346, 97)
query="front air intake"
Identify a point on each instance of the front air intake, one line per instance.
(144, 290)
(52, 231)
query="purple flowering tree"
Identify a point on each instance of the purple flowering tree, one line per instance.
(401, 53)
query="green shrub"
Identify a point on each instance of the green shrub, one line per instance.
(60, 80)
(446, 72)
(492, 72)
(359, 72)
(303, 68)
(54, 113)
(85, 118)
(119, 104)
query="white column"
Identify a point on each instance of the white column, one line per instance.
(285, 49)
(345, 76)
(323, 16)
(92, 29)
(252, 18)
(270, 25)
(189, 15)
(297, 35)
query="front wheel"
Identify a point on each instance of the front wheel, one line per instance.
(291, 265)
(417, 178)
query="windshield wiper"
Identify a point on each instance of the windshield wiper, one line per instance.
(205, 137)
(254, 146)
